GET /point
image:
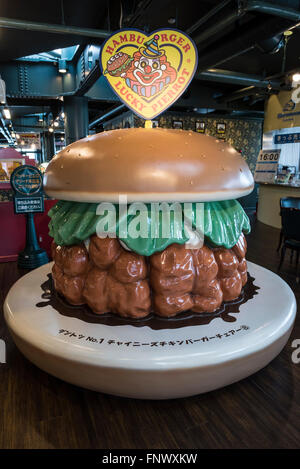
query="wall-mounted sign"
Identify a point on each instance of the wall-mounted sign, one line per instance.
(287, 138)
(221, 128)
(30, 140)
(281, 112)
(149, 72)
(200, 127)
(266, 166)
(177, 124)
(27, 184)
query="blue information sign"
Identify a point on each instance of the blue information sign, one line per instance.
(287, 138)
(27, 184)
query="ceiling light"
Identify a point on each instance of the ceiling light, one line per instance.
(56, 124)
(62, 66)
(6, 113)
(62, 115)
(296, 77)
(51, 129)
(172, 20)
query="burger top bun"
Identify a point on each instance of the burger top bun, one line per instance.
(148, 165)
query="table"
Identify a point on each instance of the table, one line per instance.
(262, 411)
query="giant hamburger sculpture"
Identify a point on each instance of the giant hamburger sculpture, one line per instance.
(135, 276)
(149, 249)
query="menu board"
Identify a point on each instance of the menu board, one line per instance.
(30, 140)
(266, 166)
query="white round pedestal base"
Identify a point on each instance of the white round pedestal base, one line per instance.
(140, 362)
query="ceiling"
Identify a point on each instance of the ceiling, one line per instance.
(240, 37)
(18, 43)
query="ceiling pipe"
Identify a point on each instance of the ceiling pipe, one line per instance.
(247, 7)
(218, 26)
(226, 76)
(271, 9)
(52, 28)
(106, 115)
(242, 93)
(243, 43)
(208, 15)
(142, 7)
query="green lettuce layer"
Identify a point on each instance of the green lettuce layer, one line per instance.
(73, 222)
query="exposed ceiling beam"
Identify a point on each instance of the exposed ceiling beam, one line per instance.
(272, 9)
(242, 42)
(244, 7)
(52, 28)
(234, 78)
(242, 93)
(142, 7)
(107, 114)
(31, 101)
(89, 80)
(208, 15)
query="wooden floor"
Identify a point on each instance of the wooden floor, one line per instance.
(263, 411)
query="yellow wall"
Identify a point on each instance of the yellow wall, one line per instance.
(281, 112)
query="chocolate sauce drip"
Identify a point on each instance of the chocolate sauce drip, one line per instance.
(188, 318)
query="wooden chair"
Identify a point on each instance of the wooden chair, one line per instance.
(291, 234)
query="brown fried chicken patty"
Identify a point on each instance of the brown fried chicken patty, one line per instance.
(110, 279)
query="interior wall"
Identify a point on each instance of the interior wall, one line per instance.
(244, 135)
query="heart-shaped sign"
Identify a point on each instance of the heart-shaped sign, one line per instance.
(149, 72)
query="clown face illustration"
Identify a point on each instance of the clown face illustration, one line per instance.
(148, 70)
(148, 76)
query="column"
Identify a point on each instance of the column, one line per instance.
(48, 146)
(76, 118)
